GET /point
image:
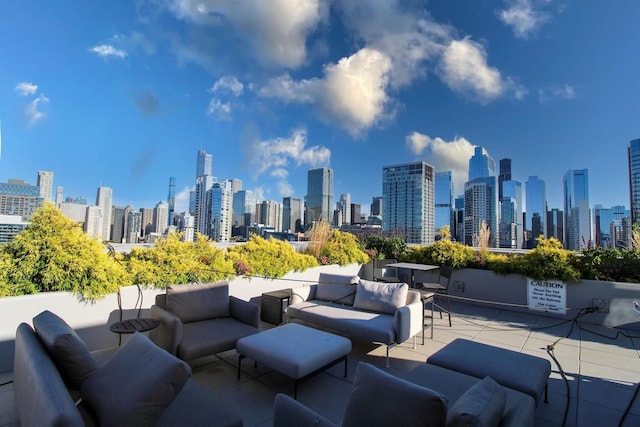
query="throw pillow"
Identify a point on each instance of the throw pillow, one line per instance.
(194, 302)
(135, 386)
(482, 405)
(336, 288)
(65, 347)
(380, 297)
(381, 399)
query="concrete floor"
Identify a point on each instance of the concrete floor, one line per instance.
(602, 366)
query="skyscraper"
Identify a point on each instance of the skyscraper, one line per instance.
(161, 217)
(205, 164)
(244, 207)
(607, 224)
(481, 205)
(505, 174)
(202, 209)
(221, 212)
(555, 224)
(171, 199)
(633, 153)
(344, 206)
(94, 222)
(104, 200)
(576, 207)
(409, 202)
(481, 164)
(356, 213)
(536, 214)
(270, 214)
(118, 215)
(444, 200)
(133, 225)
(45, 183)
(376, 206)
(511, 231)
(319, 198)
(291, 214)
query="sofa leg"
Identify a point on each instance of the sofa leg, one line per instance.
(414, 341)
(387, 364)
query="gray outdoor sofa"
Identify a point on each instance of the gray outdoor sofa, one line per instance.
(58, 382)
(387, 313)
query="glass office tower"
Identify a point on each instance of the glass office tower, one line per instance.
(536, 210)
(319, 198)
(408, 191)
(633, 151)
(444, 201)
(577, 223)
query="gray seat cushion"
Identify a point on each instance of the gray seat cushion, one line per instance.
(506, 367)
(209, 337)
(376, 327)
(481, 405)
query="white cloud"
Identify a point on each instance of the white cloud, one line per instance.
(463, 67)
(276, 30)
(352, 93)
(182, 199)
(272, 157)
(523, 17)
(219, 110)
(108, 51)
(444, 155)
(33, 111)
(228, 84)
(26, 88)
(565, 91)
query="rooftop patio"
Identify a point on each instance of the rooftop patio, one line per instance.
(602, 366)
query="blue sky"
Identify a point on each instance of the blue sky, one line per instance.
(124, 94)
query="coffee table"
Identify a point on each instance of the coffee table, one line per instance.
(294, 350)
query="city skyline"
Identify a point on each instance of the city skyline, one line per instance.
(123, 94)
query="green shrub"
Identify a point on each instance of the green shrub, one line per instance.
(173, 261)
(386, 247)
(342, 249)
(269, 258)
(547, 261)
(442, 252)
(609, 264)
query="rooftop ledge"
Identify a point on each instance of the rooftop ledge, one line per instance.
(599, 352)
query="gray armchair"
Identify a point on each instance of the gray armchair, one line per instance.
(198, 320)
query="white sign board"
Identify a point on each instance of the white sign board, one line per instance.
(547, 295)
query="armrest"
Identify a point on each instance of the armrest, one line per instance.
(244, 311)
(408, 321)
(168, 334)
(303, 293)
(291, 413)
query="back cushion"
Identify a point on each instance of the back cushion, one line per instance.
(67, 350)
(337, 288)
(381, 399)
(380, 297)
(136, 385)
(193, 302)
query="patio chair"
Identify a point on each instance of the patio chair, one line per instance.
(382, 273)
(438, 290)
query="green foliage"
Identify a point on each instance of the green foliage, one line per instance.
(270, 258)
(343, 249)
(609, 264)
(387, 247)
(547, 261)
(54, 254)
(173, 261)
(442, 252)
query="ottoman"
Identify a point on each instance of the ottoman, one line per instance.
(294, 350)
(519, 371)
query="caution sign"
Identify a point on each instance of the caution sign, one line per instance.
(547, 295)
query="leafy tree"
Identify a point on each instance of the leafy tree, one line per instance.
(387, 247)
(173, 261)
(53, 253)
(549, 260)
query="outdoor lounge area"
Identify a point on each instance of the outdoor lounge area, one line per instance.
(601, 364)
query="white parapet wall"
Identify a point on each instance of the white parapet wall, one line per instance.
(92, 319)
